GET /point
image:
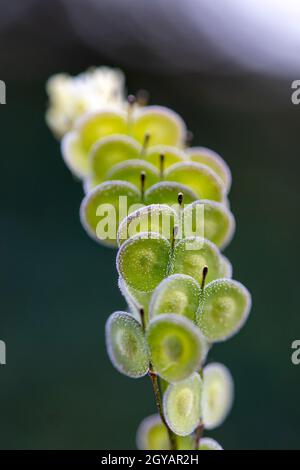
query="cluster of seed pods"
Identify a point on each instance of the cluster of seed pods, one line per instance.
(177, 283)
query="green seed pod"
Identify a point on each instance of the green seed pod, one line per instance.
(182, 405)
(163, 126)
(177, 347)
(226, 268)
(136, 300)
(167, 192)
(199, 178)
(143, 261)
(178, 294)
(74, 155)
(209, 444)
(102, 209)
(171, 155)
(211, 220)
(75, 145)
(133, 306)
(214, 161)
(131, 171)
(108, 152)
(152, 434)
(95, 126)
(126, 345)
(224, 310)
(192, 254)
(217, 396)
(156, 218)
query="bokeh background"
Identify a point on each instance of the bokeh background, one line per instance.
(231, 80)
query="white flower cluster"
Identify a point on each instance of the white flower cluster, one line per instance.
(71, 97)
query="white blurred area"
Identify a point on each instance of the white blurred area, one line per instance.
(215, 36)
(195, 35)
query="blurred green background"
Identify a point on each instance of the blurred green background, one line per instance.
(58, 389)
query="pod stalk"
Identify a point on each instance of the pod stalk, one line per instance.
(158, 401)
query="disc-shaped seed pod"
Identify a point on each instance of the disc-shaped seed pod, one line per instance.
(106, 153)
(103, 208)
(199, 178)
(94, 126)
(192, 254)
(163, 126)
(225, 268)
(217, 396)
(167, 192)
(131, 171)
(163, 156)
(138, 302)
(182, 405)
(75, 145)
(126, 345)
(209, 219)
(133, 306)
(208, 443)
(213, 160)
(225, 307)
(156, 218)
(152, 434)
(178, 294)
(177, 347)
(143, 261)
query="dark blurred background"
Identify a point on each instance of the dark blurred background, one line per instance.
(230, 77)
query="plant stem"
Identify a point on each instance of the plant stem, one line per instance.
(157, 394)
(198, 434)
